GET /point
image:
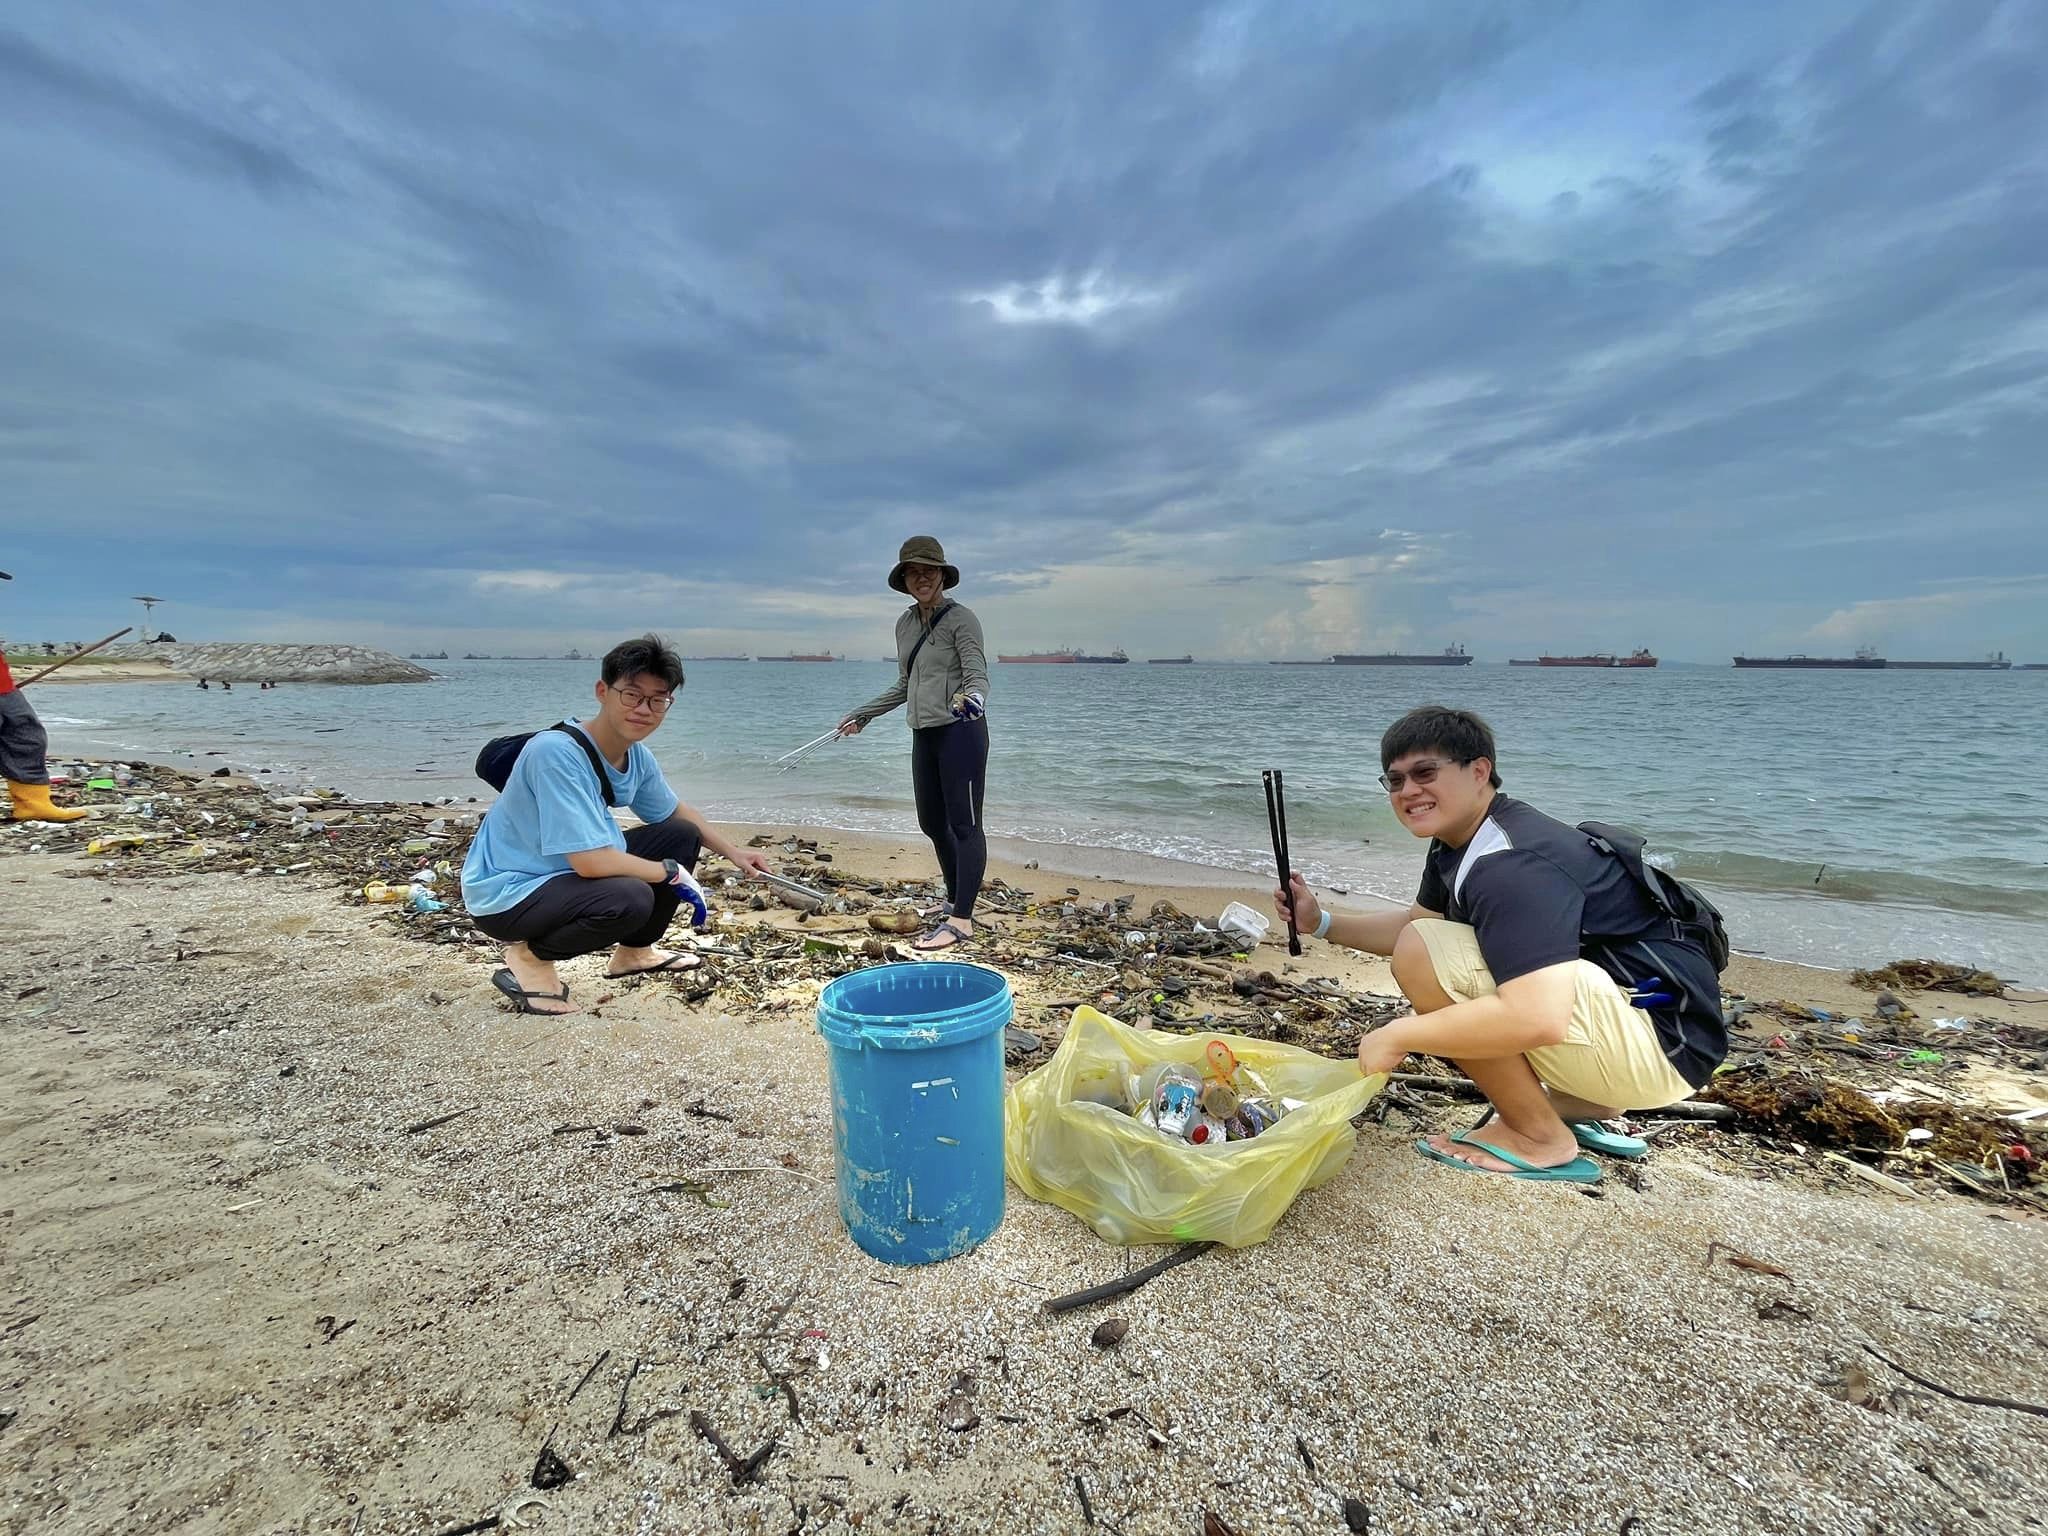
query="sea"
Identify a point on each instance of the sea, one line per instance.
(1838, 818)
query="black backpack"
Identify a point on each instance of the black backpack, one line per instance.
(494, 763)
(1694, 919)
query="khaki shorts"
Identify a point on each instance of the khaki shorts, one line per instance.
(1610, 1054)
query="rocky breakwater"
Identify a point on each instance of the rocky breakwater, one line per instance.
(250, 662)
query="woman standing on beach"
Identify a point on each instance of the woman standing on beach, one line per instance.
(944, 679)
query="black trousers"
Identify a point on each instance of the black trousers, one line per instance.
(948, 764)
(571, 916)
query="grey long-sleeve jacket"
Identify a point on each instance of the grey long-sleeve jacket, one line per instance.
(950, 661)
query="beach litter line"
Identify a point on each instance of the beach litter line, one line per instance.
(1888, 1090)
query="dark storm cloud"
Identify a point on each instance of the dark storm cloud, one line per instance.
(337, 313)
(38, 80)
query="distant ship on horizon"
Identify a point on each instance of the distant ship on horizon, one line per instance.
(1449, 656)
(795, 656)
(1865, 660)
(1636, 658)
(718, 658)
(1067, 658)
(1171, 661)
(1995, 662)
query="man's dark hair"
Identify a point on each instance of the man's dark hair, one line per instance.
(1457, 733)
(650, 654)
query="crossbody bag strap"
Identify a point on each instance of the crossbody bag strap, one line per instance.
(604, 780)
(912, 661)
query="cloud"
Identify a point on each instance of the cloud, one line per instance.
(1168, 319)
(1876, 621)
(525, 581)
(1061, 300)
(202, 135)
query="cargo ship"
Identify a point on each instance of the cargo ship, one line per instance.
(1171, 661)
(793, 656)
(1996, 662)
(1636, 658)
(1865, 660)
(1068, 658)
(1449, 656)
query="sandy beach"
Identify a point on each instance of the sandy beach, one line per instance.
(94, 670)
(255, 1279)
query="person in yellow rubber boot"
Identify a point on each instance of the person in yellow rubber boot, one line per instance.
(23, 753)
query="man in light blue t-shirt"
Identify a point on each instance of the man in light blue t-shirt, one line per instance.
(553, 875)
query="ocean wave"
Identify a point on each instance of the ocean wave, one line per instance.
(2004, 888)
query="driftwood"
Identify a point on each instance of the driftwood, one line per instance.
(1960, 1397)
(427, 1125)
(1465, 1088)
(744, 1469)
(1127, 1283)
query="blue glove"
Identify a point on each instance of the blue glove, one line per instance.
(969, 706)
(692, 893)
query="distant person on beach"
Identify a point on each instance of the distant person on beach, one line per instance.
(943, 677)
(1534, 960)
(550, 872)
(24, 754)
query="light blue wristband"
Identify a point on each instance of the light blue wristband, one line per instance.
(1323, 928)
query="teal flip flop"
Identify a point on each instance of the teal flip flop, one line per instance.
(1595, 1137)
(1580, 1170)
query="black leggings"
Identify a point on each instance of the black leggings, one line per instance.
(947, 766)
(571, 916)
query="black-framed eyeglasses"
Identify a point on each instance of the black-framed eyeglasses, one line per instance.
(1423, 773)
(633, 698)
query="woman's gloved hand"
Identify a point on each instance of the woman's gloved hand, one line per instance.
(969, 706)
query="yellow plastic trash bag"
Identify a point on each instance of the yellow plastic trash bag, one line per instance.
(1135, 1185)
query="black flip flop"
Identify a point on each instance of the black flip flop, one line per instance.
(667, 967)
(960, 936)
(507, 983)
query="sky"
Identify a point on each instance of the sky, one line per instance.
(1247, 330)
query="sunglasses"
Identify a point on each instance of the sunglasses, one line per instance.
(632, 698)
(1423, 774)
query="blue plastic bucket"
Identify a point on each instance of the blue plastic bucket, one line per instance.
(917, 1106)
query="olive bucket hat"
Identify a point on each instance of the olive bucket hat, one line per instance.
(922, 549)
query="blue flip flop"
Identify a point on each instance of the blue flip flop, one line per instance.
(1580, 1170)
(1595, 1137)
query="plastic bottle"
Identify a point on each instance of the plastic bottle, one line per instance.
(1172, 1093)
(377, 892)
